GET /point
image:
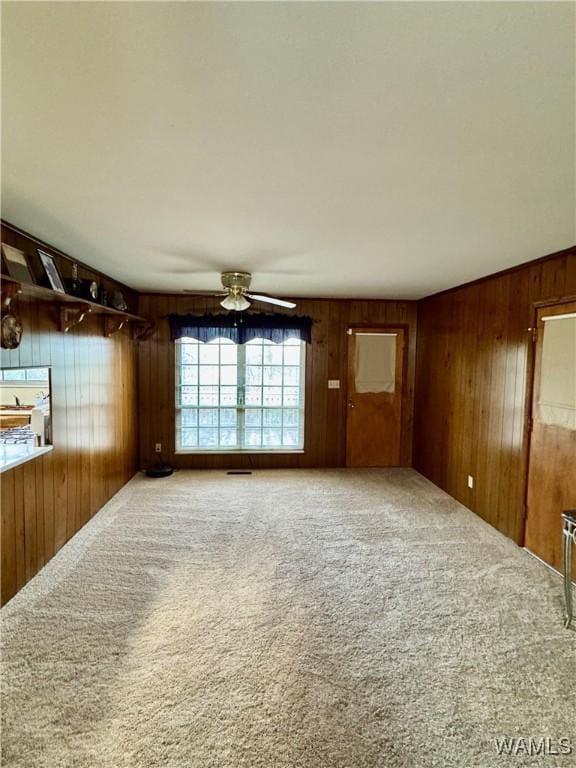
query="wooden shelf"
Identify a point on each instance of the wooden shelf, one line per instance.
(73, 309)
(47, 294)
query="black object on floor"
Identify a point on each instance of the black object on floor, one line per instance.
(159, 470)
(239, 472)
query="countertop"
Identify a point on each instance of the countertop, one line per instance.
(13, 455)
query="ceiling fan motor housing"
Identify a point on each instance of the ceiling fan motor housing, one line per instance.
(236, 282)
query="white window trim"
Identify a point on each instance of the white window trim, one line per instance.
(203, 451)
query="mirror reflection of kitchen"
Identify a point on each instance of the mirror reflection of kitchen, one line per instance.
(25, 409)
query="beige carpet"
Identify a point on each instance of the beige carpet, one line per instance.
(288, 619)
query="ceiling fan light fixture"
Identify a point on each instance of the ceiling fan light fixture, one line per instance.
(235, 303)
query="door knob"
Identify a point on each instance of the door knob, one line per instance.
(350, 404)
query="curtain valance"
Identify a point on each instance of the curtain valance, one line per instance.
(241, 327)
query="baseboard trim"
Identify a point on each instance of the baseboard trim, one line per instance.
(545, 564)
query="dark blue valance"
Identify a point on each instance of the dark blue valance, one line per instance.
(241, 327)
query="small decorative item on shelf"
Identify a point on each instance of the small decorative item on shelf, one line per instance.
(119, 302)
(83, 289)
(104, 297)
(16, 264)
(75, 283)
(11, 331)
(52, 275)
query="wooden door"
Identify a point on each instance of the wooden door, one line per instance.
(374, 410)
(552, 456)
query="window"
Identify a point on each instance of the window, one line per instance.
(557, 390)
(35, 375)
(239, 397)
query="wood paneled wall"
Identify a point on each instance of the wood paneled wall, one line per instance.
(473, 375)
(94, 423)
(325, 359)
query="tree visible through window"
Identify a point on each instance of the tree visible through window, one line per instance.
(239, 397)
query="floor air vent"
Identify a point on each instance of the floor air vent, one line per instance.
(239, 472)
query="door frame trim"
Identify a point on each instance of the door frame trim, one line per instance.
(529, 400)
(405, 328)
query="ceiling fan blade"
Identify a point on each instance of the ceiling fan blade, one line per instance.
(270, 300)
(190, 292)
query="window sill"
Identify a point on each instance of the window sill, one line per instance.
(14, 455)
(217, 452)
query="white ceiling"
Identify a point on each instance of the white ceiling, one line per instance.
(334, 149)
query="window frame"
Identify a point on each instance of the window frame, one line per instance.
(239, 407)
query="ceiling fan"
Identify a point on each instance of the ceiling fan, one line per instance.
(236, 285)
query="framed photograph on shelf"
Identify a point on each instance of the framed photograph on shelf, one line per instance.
(51, 270)
(16, 264)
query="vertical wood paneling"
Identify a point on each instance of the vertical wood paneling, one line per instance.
(18, 475)
(473, 355)
(325, 359)
(31, 531)
(94, 396)
(8, 544)
(94, 422)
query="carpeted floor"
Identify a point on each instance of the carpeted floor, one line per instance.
(288, 619)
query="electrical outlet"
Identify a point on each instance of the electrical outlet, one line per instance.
(158, 448)
(470, 481)
(333, 383)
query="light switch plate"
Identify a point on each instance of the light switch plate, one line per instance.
(333, 383)
(470, 481)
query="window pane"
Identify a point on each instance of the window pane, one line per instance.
(189, 417)
(557, 392)
(37, 374)
(291, 376)
(188, 396)
(272, 375)
(209, 374)
(228, 438)
(208, 396)
(273, 354)
(291, 417)
(253, 353)
(188, 438)
(253, 396)
(208, 417)
(291, 396)
(272, 418)
(209, 353)
(252, 437)
(253, 375)
(189, 374)
(272, 396)
(272, 437)
(228, 417)
(17, 374)
(189, 354)
(290, 438)
(253, 417)
(291, 355)
(207, 438)
(228, 396)
(228, 353)
(228, 375)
